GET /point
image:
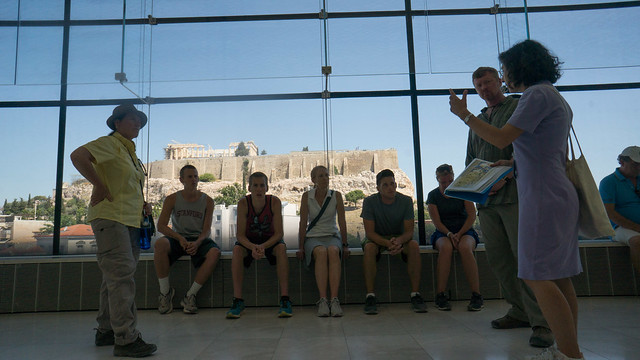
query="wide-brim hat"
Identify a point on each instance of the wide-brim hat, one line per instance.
(632, 152)
(121, 111)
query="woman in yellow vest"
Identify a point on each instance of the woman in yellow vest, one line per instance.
(110, 164)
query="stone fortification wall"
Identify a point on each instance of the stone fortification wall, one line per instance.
(289, 190)
(297, 164)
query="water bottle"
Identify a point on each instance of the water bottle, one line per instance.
(145, 234)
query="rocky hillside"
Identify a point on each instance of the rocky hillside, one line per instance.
(289, 190)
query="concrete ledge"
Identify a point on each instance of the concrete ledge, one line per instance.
(64, 283)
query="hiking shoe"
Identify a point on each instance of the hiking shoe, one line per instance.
(323, 307)
(442, 302)
(138, 348)
(236, 309)
(336, 310)
(104, 338)
(165, 302)
(508, 322)
(285, 308)
(541, 337)
(370, 305)
(189, 304)
(476, 303)
(417, 304)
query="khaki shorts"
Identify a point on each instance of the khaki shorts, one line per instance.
(623, 235)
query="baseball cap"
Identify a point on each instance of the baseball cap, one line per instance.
(633, 152)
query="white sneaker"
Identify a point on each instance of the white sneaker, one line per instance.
(189, 304)
(336, 310)
(165, 302)
(551, 353)
(323, 307)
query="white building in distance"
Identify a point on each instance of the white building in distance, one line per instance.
(178, 151)
(224, 225)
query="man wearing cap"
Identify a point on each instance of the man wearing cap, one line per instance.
(620, 194)
(116, 207)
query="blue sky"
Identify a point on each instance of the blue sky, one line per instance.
(285, 57)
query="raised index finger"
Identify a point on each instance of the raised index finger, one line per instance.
(452, 93)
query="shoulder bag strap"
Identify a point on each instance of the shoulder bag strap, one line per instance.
(324, 207)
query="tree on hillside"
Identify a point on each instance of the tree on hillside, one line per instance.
(207, 177)
(306, 148)
(354, 196)
(156, 208)
(245, 172)
(230, 195)
(242, 149)
(264, 152)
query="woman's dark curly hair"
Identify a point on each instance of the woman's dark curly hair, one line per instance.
(529, 62)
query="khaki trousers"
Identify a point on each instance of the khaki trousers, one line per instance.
(118, 253)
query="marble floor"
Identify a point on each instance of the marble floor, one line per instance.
(609, 329)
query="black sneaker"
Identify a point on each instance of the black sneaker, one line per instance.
(476, 303)
(370, 307)
(104, 338)
(138, 348)
(442, 302)
(417, 304)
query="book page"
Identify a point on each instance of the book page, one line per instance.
(478, 176)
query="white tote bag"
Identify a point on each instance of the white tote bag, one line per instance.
(593, 220)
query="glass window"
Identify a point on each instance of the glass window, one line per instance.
(443, 137)
(603, 143)
(35, 73)
(167, 8)
(95, 56)
(602, 52)
(179, 61)
(531, 3)
(9, 10)
(368, 54)
(8, 55)
(236, 58)
(27, 187)
(39, 55)
(445, 4)
(40, 10)
(364, 5)
(97, 9)
(372, 134)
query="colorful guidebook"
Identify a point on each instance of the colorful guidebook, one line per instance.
(476, 181)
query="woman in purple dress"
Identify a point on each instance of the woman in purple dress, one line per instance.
(548, 203)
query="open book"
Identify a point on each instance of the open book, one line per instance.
(475, 182)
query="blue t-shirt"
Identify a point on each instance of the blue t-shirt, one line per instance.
(389, 218)
(618, 190)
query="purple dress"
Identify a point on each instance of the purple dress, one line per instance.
(548, 202)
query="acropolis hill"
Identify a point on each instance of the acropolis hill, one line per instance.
(296, 164)
(289, 174)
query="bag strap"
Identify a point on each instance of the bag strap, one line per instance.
(324, 207)
(573, 155)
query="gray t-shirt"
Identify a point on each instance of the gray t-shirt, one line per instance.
(389, 218)
(187, 218)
